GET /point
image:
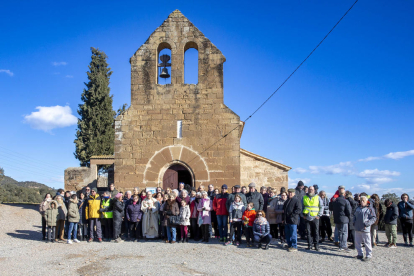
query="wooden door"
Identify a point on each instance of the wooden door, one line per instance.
(170, 179)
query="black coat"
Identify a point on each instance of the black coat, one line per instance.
(299, 194)
(341, 209)
(391, 215)
(118, 214)
(133, 212)
(257, 200)
(81, 205)
(354, 205)
(292, 208)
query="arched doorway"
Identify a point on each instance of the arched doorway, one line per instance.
(176, 174)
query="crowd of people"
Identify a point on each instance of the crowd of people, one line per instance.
(267, 217)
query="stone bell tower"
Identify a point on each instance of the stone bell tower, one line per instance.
(149, 151)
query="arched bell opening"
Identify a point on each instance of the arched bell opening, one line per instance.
(176, 173)
(164, 63)
(191, 63)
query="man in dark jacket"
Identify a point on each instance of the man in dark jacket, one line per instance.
(112, 190)
(351, 228)
(265, 195)
(255, 197)
(292, 208)
(390, 220)
(342, 213)
(302, 224)
(230, 199)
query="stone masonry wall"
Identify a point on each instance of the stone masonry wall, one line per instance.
(145, 139)
(261, 173)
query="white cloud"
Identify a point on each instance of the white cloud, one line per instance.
(369, 159)
(391, 155)
(8, 72)
(377, 173)
(300, 170)
(59, 63)
(399, 154)
(344, 168)
(48, 118)
(69, 76)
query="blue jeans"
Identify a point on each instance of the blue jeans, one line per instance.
(291, 235)
(174, 233)
(336, 234)
(342, 234)
(222, 226)
(73, 226)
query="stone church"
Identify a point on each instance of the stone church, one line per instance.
(174, 132)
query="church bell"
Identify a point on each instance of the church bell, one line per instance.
(164, 73)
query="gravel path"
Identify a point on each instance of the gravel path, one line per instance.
(23, 253)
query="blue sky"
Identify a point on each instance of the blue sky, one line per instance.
(353, 99)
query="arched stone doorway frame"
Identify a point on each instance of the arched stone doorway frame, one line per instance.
(172, 163)
(169, 155)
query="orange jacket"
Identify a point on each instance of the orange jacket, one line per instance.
(249, 216)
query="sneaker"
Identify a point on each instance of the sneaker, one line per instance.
(392, 245)
(90, 240)
(228, 243)
(69, 242)
(292, 249)
(119, 240)
(237, 244)
(100, 240)
(76, 240)
(359, 257)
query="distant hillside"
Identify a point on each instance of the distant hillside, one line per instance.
(24, 191)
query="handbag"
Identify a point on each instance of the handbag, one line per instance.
(174, 220)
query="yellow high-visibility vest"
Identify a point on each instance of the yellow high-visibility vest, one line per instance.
(106, 203)
(311, 205)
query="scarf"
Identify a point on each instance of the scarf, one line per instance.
(260, 221)
(143, 197)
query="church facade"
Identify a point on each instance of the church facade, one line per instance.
(182, 132)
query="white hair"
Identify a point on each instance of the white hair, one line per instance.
(176, 192)
(203, 193)
(364, 198)
(198, 194)
(128, 192)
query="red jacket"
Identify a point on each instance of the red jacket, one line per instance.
(251, 215)
(219, 204)
(336, 195)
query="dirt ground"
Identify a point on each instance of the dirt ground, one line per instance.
(22, 252)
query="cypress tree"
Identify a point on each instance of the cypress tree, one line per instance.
(95, 134)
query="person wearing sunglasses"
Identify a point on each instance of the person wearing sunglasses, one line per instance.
(261, 230)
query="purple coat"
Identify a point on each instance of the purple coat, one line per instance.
(206, 214)
(133, 212)
(179, 199)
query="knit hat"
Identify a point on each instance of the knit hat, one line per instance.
(224, 186)
(118, 195)
(316, 187)
(300, 183)
(252, 185)
(95, 190)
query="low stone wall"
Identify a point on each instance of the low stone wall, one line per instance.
(78, 177)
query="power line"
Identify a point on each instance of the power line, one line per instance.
(283, 83)
(18, 155)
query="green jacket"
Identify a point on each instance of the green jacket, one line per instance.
(73, 212)
(51, 214)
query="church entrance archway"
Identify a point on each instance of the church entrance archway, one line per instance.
(175, 174)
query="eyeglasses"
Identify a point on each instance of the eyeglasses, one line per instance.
(259, 214)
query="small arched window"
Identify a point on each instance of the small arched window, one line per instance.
(191, 63)
(164, 64)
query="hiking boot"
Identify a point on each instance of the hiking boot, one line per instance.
(173, 242)
(259, 245)
(366, 259)
(359, 257)
(228, 243)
